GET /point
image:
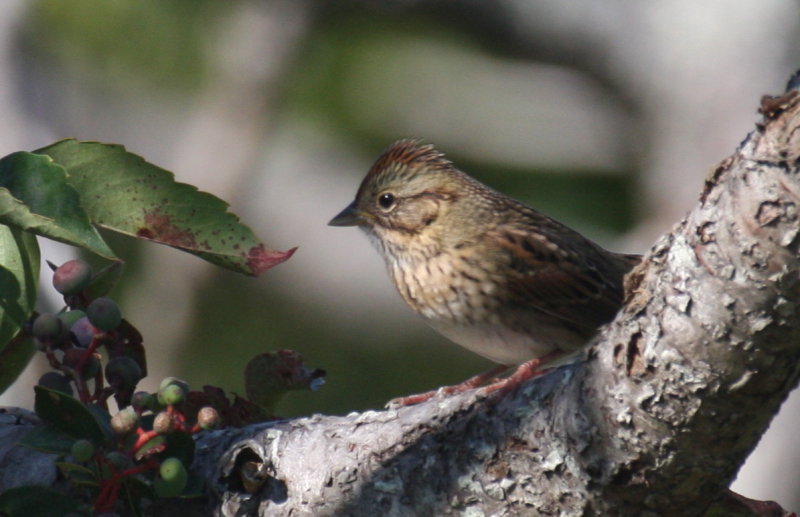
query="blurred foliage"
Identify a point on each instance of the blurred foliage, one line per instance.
(349, 66)
(352, 64)
(598, 203)
(161, 44)
(344, 79)
(366, 366)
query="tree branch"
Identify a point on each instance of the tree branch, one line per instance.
(666, 406)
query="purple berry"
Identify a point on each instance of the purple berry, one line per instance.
(84, 332)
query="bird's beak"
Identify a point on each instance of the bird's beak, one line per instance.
(350, 216)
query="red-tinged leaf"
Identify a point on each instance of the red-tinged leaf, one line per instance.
(259, 258)
(122, 192)
(240, 413)
(269, 376)
(246, 412)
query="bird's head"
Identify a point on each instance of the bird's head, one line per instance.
(408, 196)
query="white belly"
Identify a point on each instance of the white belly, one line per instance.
(504, 346)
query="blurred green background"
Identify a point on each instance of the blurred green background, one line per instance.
(604, 115)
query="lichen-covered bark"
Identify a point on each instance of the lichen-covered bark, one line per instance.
(658, 417)
(708, 345)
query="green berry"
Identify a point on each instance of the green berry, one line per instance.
(173, 380)
(56, 381)
(69, 318)
(173, 394)
(142, 401)
(171, 479)
(172, 469)
(72, 277)
(104, 313)
(165, 386)
(47, 327)
(82, 450)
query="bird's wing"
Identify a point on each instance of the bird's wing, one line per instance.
(559, 272)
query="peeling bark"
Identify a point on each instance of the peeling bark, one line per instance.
(655, 419)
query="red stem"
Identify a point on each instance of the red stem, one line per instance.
(89, 351)
(109, 491)
(144, 437)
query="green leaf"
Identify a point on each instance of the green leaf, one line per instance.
(67, 414)
(195, 486)
(78, 474)
(36, 501)
(122, 192)
(35, 196)
(19, 278)
(103, 419)
(14, 358)
(104, 280)
(48, 439)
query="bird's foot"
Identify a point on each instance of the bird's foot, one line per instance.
(446, 391)
(525, 371)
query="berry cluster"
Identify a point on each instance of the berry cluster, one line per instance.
(71, 340)
(147, 430)
(147, 444)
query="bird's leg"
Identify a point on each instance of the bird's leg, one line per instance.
(472, 382)
(527, 370)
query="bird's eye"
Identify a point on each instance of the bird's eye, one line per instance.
(386, 200)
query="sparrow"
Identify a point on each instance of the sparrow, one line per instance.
(486, 271)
